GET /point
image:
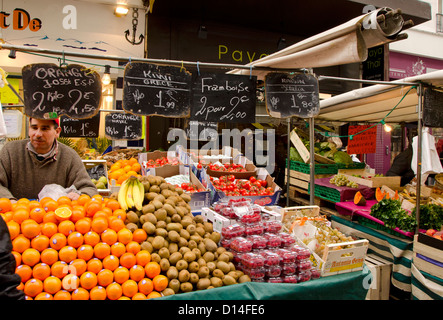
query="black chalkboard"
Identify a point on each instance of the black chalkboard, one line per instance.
(123, 126)
(80, 128)
(50, 91)
(149, 89)
(290, 95)
(204, 131)
(223, 98)
(432, 108)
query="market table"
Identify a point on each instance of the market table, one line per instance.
(425, 286)
(345, 286)
(387, 246)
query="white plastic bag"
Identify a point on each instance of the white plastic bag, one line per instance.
(56, 191)
(430, 160)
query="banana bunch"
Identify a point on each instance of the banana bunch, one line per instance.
(131, 194)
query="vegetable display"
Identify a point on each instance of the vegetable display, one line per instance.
(390, 212)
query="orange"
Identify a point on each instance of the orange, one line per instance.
(63, 213)
(111, 204)
(92, 207)
(37, 214)
(115, 223)
(75, 239)
(145, 286)
(85, 252)
(83, 225)
(24, 271)
(31, 257)
(14, 229)
(62, 295)
(30, 228)
(78, 266)
(33, 287)
(41, 271)
(124, 236)
(67, 254)
(50, 217)
(63, 200)
(94, 265)
(137, 273)
(121, 274)
(91, 238)
(154, 294)
(59, 269)
(100, 213)
(143, 257)
(139, 235)
(52, 285)
(49, 256)
(120, 213)
(98, 197)
(139, 296)
(78, 212)
(127, 168)
(44, 200)
(136, 167)
(66, 227)
(97, 293)
(99, 224)
(129, 288)
(40, 242)
(44, 296)
(107, 211)
(5, 205)
(114, 291)
(58, 241)
(101, 250)
(20, 215)
(88, 280)
(83, 199)
(117, 249)
(17, 206)
(109, 236)
(70, 282)
(105, 277)
(160, 282)
(7, 216)
(20, 243)
(80, 294)
(152, 269)
(17, 258)
(128, 260)
(34, 204)
(110, 262)
(49, 229)
(50, 205)
(133, 247)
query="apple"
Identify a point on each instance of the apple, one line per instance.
(431, 232)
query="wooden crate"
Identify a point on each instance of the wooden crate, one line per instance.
(369, 180)
(428, 254)
(301, 180)
(381, 277)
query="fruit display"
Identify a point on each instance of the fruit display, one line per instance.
(226, 167)
(341, 180)
(98, 176)
(131, 194)
(241, 187)
(182, 181)
(123, 169)
(122, 154)
(80, 250)
(435, 234)
(185, 246)
(101, 182)
(160, 162)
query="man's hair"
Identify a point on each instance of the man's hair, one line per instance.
(56, 123)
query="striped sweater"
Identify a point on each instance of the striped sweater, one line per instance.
(23, 176)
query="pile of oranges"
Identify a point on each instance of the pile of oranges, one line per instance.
(123, 169)
(79, 250)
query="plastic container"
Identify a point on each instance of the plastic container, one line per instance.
(274, 241)
(273, 271)
(304, 276)
(290, 279)
(258, 242)
(232, 231)
(286, 256)
(303, 265)
(225, 243)
(275, 280)
(252, 260)
(240, 244)
(270, 258)
(256, 273)
(228, 212)
(272, 226)
(218, 206)
(287, 240)
(288, 269)
(315, 273)
(250, 218)
(302, 253)
(254, 229)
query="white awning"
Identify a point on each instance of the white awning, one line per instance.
(373, 103)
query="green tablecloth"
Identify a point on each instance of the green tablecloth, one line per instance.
(387, 246)
(346, 286)
(426, 286)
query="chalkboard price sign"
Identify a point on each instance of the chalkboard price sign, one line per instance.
(202, 130)
(51, 91)
(223, 98)
(123, 126)
(80, 128)
(290, 95)
(149, 89)
(432, 108)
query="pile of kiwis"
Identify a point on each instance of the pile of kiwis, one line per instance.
(184, 245)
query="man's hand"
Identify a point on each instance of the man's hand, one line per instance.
(73, 195)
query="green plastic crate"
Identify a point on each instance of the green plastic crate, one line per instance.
(319, 168)
(355, 165)
(377, 226)
(326, 193)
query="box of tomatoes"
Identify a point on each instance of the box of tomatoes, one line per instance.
(155, 159)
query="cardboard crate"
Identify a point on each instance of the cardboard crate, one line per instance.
(146, 156)
(218, 221)
(381, 277)
(93, 163)
(428, 254)
(198, 199)
(369, 180)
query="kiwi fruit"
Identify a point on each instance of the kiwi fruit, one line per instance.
(210, 245)
(146, 245)
(223, 266)
(193, 278)
(174, 227)
(228, 280)
(149, 227)
(244, 278)
(193, 245)
(211, 266)
(161, 224)
(218, 273)
(216, 282)
(215, 236)
(132, 226)
(191, 229)
(193, 266)
(168, 292)
(154, 189)
(186, 197)
(183, 250)
(164, 253)
(173, 247)
(223, 257)
(155, 257)
(181, 265)
(189, 256)
(186, 287)
(203, 284)
(173, 236)
(208, 256)
(203, 272)
(172, 273)
(148, 208)
(183, 275)
(174, 284)
(132, 217)
(164, 264)
(160, 213)
(158, 242)
(174, 258)
(176, 217)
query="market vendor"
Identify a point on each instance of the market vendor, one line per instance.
(401, 166)
(26, 166)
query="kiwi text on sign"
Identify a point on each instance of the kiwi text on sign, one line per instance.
(20, 20)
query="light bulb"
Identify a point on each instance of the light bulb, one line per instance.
(387, 128)
(106, 79)
(121, 11)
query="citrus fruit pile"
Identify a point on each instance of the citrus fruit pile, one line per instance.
(79, 250)
(123, 169)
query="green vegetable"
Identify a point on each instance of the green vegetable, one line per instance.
(294, 155)
(431, 216)
(342, 157)
(390, 212)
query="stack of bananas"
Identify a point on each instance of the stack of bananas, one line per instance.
(131, 194)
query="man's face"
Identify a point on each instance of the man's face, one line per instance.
(42, 134)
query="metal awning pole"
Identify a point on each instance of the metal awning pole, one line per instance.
(288, 161)
(311, 162)
(419, 152)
